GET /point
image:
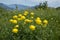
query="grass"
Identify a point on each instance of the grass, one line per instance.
(51, 32)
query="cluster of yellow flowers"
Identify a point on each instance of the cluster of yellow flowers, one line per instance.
(23, 17)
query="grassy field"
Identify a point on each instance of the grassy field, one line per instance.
(50, 32)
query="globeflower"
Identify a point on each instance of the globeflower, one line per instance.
(14, 21)
(27, 20)
(45, 22)
(23, 17)
(32, 13)
(31, 21)
(38, 21)
(26, 12)
(15, 16)
(38, 18)
(16, 26)
(11, 20)
(32, 27)
(19, 15)
(15, 30)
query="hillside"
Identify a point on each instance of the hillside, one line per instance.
(4, 6)
(19, 6)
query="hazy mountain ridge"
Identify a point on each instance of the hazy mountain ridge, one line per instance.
(19, 6)
(13, 6)
(4, 6)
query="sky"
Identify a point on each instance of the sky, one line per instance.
(52, 3)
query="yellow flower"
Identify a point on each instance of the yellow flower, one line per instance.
(16, 26)
(32, 27)
(23, 17)
(45, 22)
(38, 21)
(11, 20)
(38, 18)
(14, 21)
(19, 15)
(31, 21)
(15, 16)
(32, 13)
(15, 30)
(26, 12)
(27, 20)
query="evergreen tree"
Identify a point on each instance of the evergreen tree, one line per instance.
(43, 5)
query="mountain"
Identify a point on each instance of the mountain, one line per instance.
(13, 6)
(19, 6)
(4, 6)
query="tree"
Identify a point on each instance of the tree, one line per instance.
(16, 7)
(43, 5)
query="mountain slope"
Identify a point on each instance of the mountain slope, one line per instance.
(13, 6)
(4, 6)
(19, 6)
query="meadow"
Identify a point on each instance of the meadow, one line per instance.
(51, 31)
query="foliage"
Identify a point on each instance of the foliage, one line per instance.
(50, 32)
(43, 5)
(58, 8)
